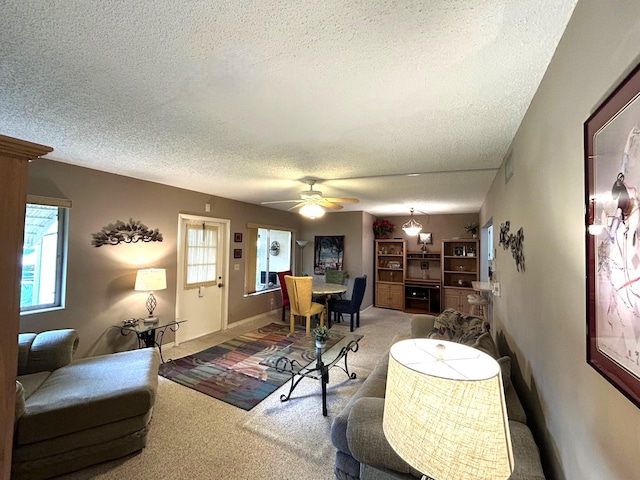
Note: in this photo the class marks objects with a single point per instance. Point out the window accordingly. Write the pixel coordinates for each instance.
(268, 252)
(201, 253)
(43, 258)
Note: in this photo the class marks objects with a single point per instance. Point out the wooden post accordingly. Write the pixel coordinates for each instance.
(14, 168)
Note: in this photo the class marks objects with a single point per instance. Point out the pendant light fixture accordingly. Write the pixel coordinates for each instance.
(412, 228)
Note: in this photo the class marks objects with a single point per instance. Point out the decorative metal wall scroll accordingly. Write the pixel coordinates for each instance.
(121, 232)
(513, 242)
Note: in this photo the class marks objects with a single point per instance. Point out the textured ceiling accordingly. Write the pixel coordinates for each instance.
(246, 99)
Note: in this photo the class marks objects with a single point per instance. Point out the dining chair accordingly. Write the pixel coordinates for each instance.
(333, 276)
(352, 306)
(300, 304)
(283, 290)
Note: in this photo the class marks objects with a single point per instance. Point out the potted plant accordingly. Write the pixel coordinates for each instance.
(321, 335)
(472, 228)
(382, 228)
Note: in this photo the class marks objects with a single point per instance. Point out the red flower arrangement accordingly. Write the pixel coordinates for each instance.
(382, 228)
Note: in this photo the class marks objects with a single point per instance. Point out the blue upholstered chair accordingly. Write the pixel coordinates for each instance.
(352, 306)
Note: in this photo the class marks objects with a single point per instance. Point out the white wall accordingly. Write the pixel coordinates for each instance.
(586, 429)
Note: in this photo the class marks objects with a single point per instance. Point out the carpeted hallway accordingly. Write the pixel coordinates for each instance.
(194, 436)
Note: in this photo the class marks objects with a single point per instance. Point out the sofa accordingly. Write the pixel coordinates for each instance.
(74, 413)
(362, 451)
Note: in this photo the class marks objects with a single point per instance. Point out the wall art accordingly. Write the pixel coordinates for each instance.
(329, 253)
(237, 237)
(612, 177)
(512, 242)
(237, 253)
(120, 232)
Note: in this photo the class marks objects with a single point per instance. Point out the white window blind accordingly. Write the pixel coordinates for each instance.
(201, 252)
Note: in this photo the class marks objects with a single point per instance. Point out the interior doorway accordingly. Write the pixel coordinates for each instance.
(486, 251)
(203, 305)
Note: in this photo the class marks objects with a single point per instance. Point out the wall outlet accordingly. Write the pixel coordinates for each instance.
(495, 288)
(236, 267)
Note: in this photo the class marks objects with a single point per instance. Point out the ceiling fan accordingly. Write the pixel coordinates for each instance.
(312, 204)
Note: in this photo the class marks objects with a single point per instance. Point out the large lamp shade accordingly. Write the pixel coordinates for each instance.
(445, 412)
(150, 280)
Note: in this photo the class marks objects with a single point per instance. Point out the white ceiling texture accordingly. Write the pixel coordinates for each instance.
(247, 99)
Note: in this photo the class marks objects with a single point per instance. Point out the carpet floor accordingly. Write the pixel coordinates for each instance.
(194, 436)
(235, 371)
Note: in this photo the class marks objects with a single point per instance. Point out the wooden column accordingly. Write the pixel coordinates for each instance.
(14, 166)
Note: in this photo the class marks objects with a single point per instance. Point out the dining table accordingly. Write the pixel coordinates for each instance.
(327, 289)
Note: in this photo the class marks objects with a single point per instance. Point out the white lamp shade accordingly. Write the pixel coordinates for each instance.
(151, 279)
(312, 210)
(445, 412)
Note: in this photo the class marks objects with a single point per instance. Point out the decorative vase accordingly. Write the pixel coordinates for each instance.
(321, 344)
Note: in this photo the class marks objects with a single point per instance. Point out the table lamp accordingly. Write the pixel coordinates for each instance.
(150, 280)
(445, 412)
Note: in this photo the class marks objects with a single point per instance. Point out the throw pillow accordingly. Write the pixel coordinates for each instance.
(485, 344)
(458, 327)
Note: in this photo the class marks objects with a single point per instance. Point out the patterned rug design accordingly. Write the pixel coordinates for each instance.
(232, 371)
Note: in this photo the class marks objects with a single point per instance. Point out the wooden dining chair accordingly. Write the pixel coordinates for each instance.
(300, 304)
(283, 290)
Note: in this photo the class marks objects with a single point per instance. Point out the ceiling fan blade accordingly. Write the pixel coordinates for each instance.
(333, 206)
(279, 201)
(342, 200)
(297, 207)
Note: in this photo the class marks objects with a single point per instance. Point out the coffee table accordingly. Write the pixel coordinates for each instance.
(326, 359)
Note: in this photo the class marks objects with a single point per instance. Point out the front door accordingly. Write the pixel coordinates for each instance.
(201, 296)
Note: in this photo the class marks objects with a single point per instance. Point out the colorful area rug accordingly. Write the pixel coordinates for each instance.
(232, 371)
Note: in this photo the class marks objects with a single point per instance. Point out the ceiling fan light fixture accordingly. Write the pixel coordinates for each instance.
(412, 228)
(312, 210)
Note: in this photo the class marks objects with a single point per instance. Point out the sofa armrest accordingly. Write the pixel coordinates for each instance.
(366, 438)
(421, 325)
(46, 351)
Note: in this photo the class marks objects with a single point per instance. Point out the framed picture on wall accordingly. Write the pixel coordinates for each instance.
(237, 253)
(425, 238)
(328, 253)
(612, 180)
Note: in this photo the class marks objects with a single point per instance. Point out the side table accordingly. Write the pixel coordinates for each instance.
(150, 335)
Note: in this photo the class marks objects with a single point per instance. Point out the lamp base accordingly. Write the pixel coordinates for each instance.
(151, 320)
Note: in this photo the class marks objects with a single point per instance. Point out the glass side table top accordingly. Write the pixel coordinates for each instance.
(142, 327)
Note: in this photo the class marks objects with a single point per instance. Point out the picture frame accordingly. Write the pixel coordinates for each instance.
(425, 238)
(237, 237)
(328, 253)
(611, 159)
(237, 253)
(459, 251)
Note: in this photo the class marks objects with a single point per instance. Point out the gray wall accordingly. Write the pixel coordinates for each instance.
(100, 280)
(586, 428)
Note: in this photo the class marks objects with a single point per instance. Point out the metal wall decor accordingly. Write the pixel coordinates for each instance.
(120, 232)
(514, 243)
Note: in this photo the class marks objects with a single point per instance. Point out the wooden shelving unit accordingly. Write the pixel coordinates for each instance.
(460, 267)
(390, 273)
(422, 285)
